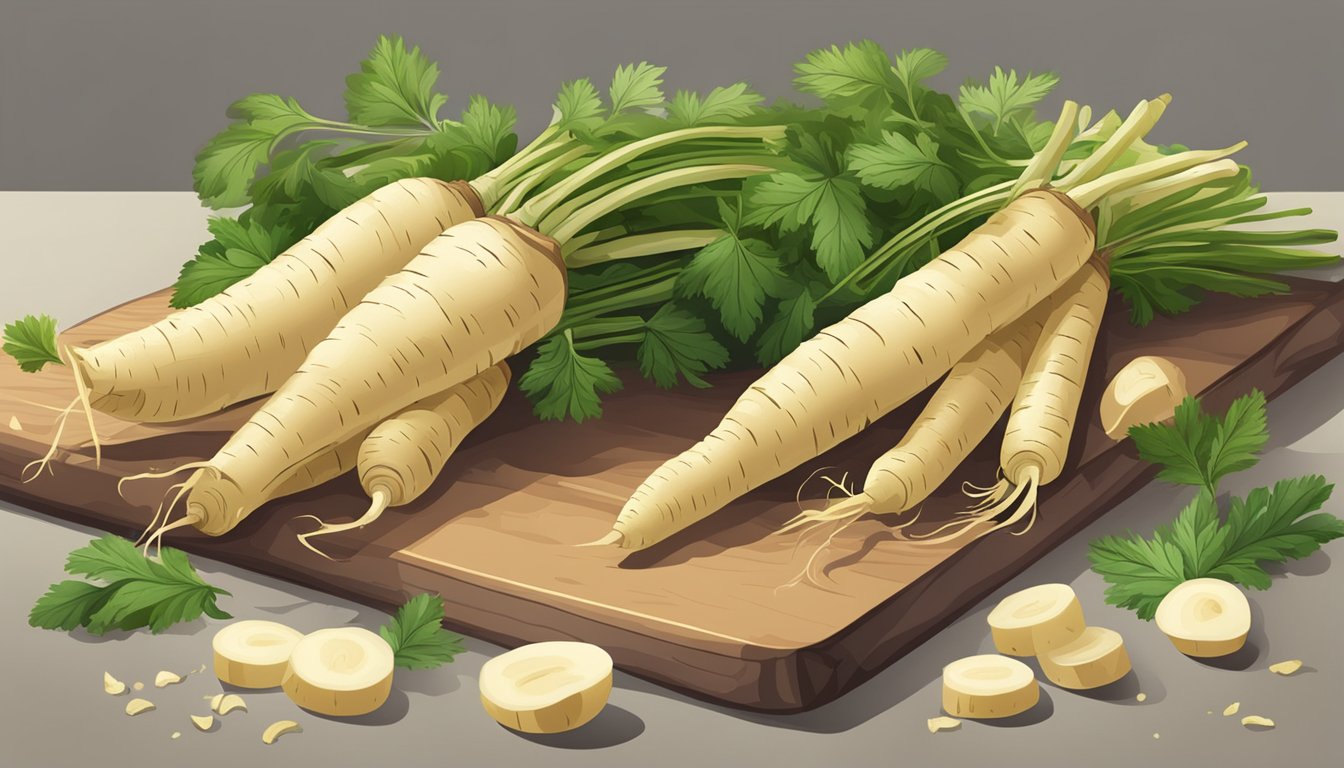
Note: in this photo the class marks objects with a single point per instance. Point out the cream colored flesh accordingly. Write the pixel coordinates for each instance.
(1146, 390)
(1205, 618)
(546, 687)
(1036, 619)
(1096, 658)
(253, 653)
(988, 686)
(345, 671)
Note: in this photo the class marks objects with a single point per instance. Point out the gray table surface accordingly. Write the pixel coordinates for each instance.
(73, 254)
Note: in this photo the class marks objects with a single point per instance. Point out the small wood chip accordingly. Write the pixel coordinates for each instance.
(112, 685)
(203, 722)
(14, 424)
(1256, 720)
(1232, 709)
(166, 678)
(1141, 697)
(136, 706)
(1286, 667)
(229, 703)
(279, 728)
(937, 724)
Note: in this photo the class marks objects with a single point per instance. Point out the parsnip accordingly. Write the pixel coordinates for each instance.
(546, 687)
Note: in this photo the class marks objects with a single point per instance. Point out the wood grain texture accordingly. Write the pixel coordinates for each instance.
(707, 611)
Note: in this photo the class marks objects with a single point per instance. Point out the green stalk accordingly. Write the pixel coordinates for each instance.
(1088, 194)
(652, 185)
(537, 208)
(638, 246)
(1140, 121)
(537, 176)
(1045, 164)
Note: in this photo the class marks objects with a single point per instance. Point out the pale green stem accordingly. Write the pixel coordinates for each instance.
(1090, 193)
(652, 185)
(536, 209)
(1045, 163)
(527, 183)
(1141, 195)
(638, 246)
(1135, 127)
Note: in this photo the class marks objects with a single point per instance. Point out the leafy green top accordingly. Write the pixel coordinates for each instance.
(31, 341)
(138, 591)
(1268, 525)
(417, 636)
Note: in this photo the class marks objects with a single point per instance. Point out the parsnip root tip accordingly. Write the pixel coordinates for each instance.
(611, 537)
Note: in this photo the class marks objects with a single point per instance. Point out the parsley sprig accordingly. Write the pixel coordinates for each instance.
(138, 591)
(417, 636)
(1269, 525)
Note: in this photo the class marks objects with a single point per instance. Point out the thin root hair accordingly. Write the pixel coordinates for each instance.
(377, 505)
(45, 461)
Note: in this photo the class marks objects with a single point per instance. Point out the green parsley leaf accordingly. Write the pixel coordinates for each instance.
(899, 162)
(226, 165)
(676, 342)
(489, 128)
(792, 323)
(1005, 97)
(417, 636)
(735, 273)
(1274, 525)
(562, 382)
(636, 87)
(142, 592)
(833, 207)
(578, 106)
(394, 87)
(1199, 449)
(721, 105)
(31, 341)
(915, 66)
(857, 72)
(237, 251)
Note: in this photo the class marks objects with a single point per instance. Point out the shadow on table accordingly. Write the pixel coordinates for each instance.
(613, 725)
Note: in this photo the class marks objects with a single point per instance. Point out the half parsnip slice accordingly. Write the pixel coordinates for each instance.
(1205, 618)
(254, 653)
(1096, 658)
(345, 671)
(546, 687)
(988, 686)
(1036, 619)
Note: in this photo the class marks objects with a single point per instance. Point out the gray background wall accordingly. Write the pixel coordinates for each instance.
(119, 94)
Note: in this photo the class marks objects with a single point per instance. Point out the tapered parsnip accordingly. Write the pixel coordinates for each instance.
(400, 458)
(961, 412)
(857, 370)
(480, 292)
(245, 341)
(1041, 422)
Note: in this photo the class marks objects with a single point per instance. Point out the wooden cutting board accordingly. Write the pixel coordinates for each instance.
(708, 612)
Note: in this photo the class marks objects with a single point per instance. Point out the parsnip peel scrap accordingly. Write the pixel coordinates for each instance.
(1232, 709)
(166, 678)
(1263, 722)
(1286, 667)
(112, 685)
(137, 706)
(203, 722)
(279, 728)
(229, 703)
(937, 724)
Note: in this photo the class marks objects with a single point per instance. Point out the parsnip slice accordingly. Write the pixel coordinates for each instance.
(253, 653)
(344, 671)
(1147, 389)
(1096, 658)
(546, 687)
(988, 686)
(1205, 618)
(112, 685)
(1037, 619)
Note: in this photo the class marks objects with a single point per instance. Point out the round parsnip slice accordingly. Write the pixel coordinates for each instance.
(345, 671)
(1037, 619)
(988, 686)
(1095, 659)
(1147, 389)
(253, 653)
(546, 687)
(1205, 618)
